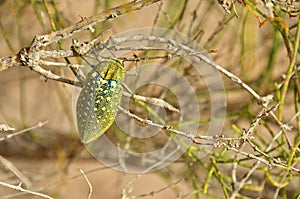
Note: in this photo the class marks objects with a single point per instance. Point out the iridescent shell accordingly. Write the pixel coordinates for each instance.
(99, 98)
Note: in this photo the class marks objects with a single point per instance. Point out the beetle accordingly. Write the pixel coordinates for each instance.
(98, 101)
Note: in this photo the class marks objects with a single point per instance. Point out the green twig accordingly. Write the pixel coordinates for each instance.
(288, 74)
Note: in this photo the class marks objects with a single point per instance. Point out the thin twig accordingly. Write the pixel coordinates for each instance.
(6, 127)
(173, 46)
(288, 74)
(101, 168)
(88, 182)
(38, 125)
(151, 100)
(19, 188)
(31, 56)
(217, 141)
(10, 166)
(238, 185)
(152, 193)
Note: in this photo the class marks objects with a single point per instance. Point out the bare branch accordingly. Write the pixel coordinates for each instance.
(38, 125)
(10, 166)
(6, 127)
(88, 182)
(19, 188)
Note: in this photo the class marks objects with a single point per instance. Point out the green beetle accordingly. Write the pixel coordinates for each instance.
(99, 98)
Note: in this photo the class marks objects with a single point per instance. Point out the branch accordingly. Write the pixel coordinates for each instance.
(19, 188)
(173, 46)
(32, 55)
(88, 182)
(10, 166)
(38, 125)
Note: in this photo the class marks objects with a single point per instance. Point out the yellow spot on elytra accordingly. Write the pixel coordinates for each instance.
(94, 74)
(113, 83)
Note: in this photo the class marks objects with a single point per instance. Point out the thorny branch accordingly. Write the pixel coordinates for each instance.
(173, 46)
(31, 56)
